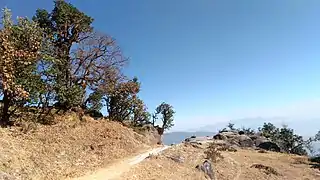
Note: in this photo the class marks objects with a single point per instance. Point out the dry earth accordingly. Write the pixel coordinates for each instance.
(234, 166)
(68, 149)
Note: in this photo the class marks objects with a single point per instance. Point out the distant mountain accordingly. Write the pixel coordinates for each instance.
(178, 137)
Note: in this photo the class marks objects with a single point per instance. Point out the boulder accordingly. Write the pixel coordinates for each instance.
(221, 143)
(260, 140)
(207, 168)
(229, 134)
(220, 137)
(234, 141)
(270, 146)
(244, 141)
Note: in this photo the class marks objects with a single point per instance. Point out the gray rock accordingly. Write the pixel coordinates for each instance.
(220, 137)
(222, 143)
(229, 134)
(207, 168)
(270, 146)
(258, 139)
(234, 141)
(245, 141)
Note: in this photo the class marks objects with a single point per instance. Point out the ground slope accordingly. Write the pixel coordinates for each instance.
(67, 149)
(234, 166)
(116, 169)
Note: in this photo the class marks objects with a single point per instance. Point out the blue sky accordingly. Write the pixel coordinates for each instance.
(214, 60)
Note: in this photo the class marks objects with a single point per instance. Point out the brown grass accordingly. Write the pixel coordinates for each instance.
(267, 169)
(234, 166)
(212, 153)
(68, 149)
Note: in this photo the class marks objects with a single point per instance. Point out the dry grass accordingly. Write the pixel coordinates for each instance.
(68, 149)
(212, 153)
(234, 166)
(267, 169)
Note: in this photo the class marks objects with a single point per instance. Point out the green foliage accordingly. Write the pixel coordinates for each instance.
(310, 141)
(248, 131)
(315, 159)
(64, 26)
(70, 97)
(94, 102)
(20, 46)
(140, 115)
(167, 115)
(231, 126)
(269, 130)
(121, 99)
(285, 138)
(58, 60)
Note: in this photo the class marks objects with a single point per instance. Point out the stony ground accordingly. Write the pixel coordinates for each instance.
(234, 166)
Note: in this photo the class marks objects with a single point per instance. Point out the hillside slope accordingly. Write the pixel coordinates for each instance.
(67, 149)
(234, 166)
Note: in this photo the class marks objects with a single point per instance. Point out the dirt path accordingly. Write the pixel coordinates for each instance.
(114, 171)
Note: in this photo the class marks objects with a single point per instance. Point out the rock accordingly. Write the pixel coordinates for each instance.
(206, 167)
(222, 143)
(234, 141)
(259, 139)
(220, 137)
(230, 134)
(270, 146)
(241, 141)
(194, 144)
(245, 141)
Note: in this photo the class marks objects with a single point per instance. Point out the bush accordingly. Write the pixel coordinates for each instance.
(315, 159)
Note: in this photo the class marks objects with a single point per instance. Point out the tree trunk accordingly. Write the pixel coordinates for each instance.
(5, 109)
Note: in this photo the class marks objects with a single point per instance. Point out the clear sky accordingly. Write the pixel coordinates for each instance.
(213, 59)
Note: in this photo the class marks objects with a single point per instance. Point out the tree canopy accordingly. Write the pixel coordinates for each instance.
(59, 60)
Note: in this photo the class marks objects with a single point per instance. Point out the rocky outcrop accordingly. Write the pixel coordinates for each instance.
(234, 138)
(244, 141)
(270, 146)
(239, 139)
(257, 139)
(220, 137)
(230, 134)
